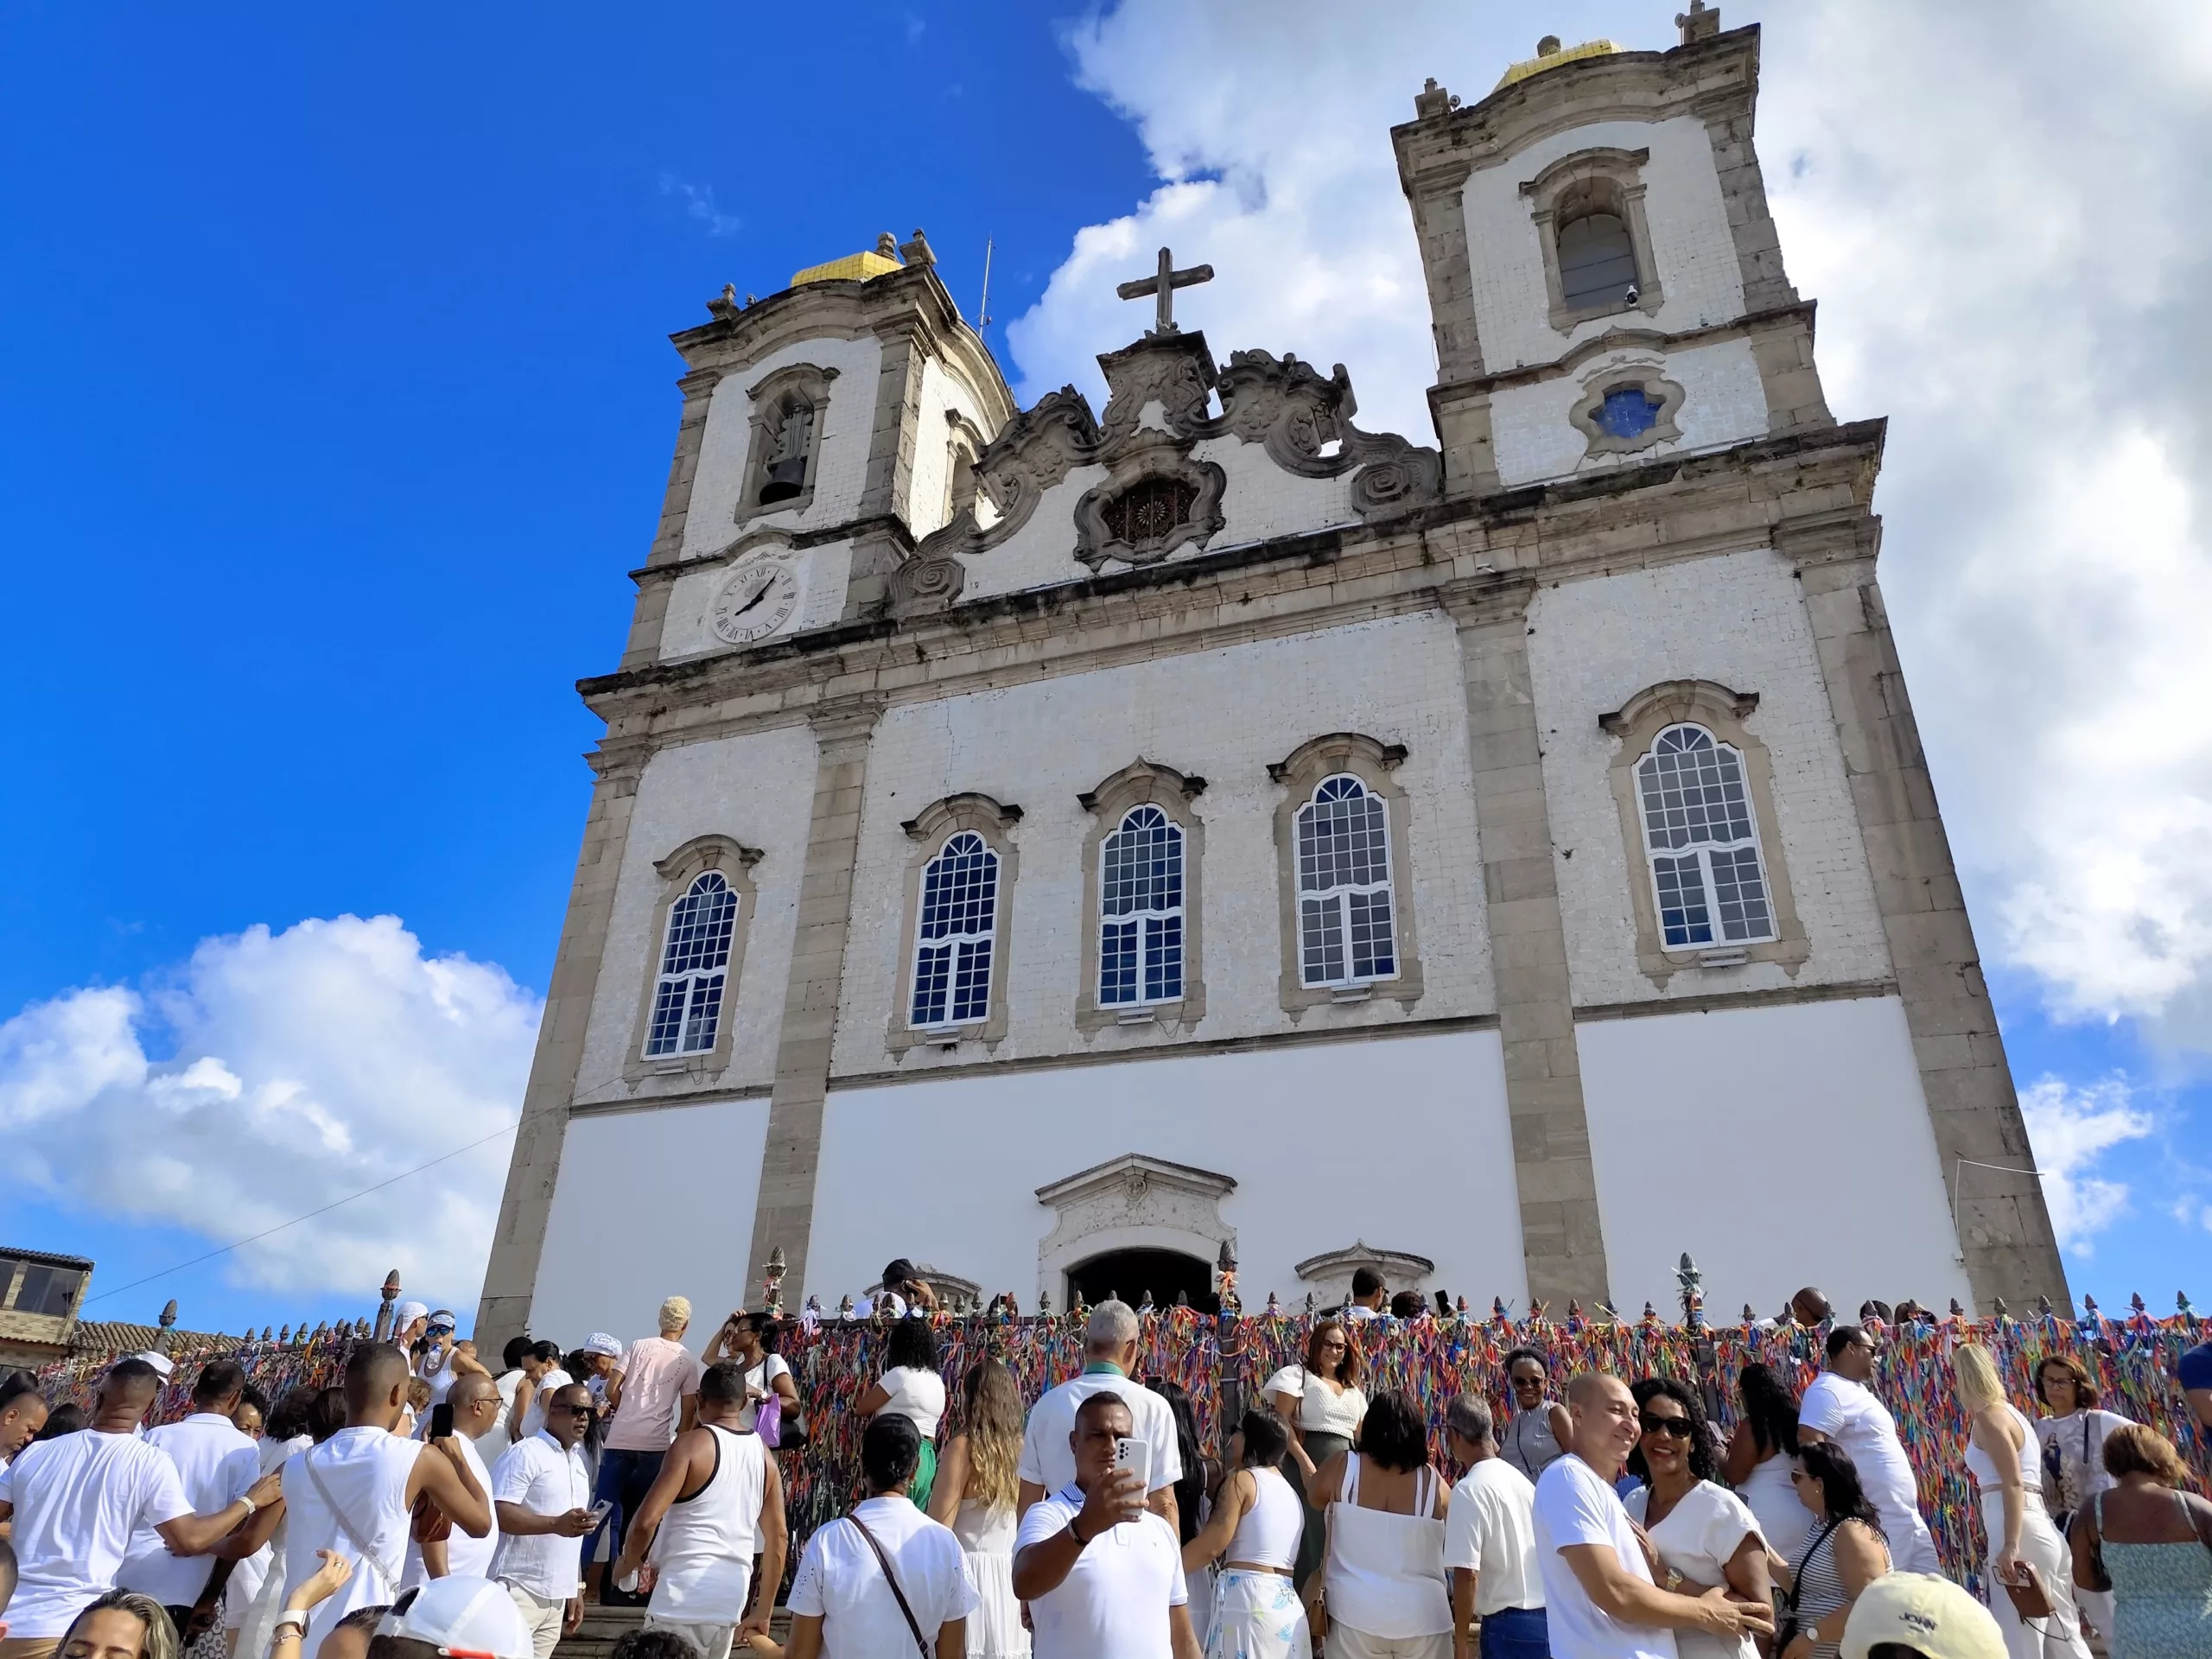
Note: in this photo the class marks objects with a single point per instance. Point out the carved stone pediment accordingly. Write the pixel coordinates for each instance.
(1332, 1270)
(1133, 1202)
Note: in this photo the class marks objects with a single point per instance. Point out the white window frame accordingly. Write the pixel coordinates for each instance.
(703, 988)
(1341, 896)
(1148, 922)
(959, 948)
(1695, 853)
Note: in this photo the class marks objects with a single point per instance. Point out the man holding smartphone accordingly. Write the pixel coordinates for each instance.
(542, 1493)
(1104, 1574)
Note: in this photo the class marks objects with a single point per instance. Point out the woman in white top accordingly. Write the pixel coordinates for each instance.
(2074, 1471)
(1321, 1403)
(1386, 1593)
(1535, 1436)
(748, 1340)
(976, 1484)
(910, 1387)
(1702, 1531)
(1758, 1460)
(2006, 1460)
(1254, 1531)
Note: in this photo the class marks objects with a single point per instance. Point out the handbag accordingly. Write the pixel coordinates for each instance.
(2031, 1598)
(921, 1642)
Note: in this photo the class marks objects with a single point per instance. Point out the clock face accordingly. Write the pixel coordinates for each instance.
(756, 603)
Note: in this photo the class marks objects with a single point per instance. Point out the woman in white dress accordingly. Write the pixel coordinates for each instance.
(1757, 1463)
(976, 1484)
(1253, 1532)
(2074, 1472)
(1386, 1591)
(2006, 1460)
(1320, 1402)
(1702, 1531)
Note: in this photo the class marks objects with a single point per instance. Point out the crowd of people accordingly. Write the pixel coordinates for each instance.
(428, 1505)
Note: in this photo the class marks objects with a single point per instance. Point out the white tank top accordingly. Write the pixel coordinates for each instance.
(1983, 1467)
(1268, 1532)
(705, 1545)
(1386, 1572)
(363, 1472)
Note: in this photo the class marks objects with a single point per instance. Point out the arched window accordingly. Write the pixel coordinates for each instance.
(1140, 912)
(1597, 259)
(1345, 935)
(954, 933)
(1702, 838)
(694, 965)
(791, 440)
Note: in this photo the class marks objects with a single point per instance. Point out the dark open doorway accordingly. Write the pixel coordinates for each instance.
(1130, 1274)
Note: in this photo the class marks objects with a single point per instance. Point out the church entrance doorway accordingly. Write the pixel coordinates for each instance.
(1133, 1274)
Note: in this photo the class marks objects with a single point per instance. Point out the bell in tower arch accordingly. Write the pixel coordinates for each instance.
(786, 469)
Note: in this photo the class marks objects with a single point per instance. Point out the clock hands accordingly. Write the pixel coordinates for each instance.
(760, 594)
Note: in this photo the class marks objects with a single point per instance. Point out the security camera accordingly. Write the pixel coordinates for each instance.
(1631, 297)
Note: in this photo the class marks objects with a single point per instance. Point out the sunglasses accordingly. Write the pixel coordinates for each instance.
(1675, 1427)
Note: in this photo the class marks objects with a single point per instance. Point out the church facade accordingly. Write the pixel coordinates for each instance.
(1057, 847)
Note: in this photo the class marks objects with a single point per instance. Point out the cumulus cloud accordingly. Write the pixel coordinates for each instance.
(699, 205)
(2003, 213)
(2071, 1129)
(294, 1069)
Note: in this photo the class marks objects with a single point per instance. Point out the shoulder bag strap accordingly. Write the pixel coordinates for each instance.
(912, 1623)
(385, 1570)
(1798, 1584)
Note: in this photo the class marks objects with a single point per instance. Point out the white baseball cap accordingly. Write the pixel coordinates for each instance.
(467, 1619)
(160, 1363)
(1930, 1615)
(599, 1342)
(408, 1312)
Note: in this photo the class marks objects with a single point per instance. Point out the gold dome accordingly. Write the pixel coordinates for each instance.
(853, 268)
(1553, 59)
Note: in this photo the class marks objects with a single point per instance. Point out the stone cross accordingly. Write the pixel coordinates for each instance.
(1164, 283)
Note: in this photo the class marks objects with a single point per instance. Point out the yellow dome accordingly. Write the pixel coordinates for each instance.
(1553, 59)
(853, 268)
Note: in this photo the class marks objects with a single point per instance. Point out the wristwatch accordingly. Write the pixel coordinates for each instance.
(1673, 1580)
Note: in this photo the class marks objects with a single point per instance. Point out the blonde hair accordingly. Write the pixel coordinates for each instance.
(1975, 1372)
(160, 1641)
(2135, 1449)
(995, 1430)
(676, 1313)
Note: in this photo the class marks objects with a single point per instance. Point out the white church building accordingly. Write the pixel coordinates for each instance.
(1053, 844)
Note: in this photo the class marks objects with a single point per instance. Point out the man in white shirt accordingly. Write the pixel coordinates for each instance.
(475, 1402)
(1599, 1598)
(1490, 1543)
(1110, 1356)
(842, 1604)
(1368, 1295)
(76, 1502)
(1839, 1406)
(218, 1466)
(542, 1493)
(1102, 1572)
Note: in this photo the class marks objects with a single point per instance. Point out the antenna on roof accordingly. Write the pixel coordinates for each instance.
(984, 306)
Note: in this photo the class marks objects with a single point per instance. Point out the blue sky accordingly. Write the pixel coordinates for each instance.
(335, 401)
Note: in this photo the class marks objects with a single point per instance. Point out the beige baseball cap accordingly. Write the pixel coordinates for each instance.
(1930, 1615)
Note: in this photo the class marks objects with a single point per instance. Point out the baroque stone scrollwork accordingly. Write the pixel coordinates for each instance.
(1191, 512)
(1159, 411)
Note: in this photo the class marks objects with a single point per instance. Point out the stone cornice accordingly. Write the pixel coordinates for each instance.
(1807, 492)
(1625, 339)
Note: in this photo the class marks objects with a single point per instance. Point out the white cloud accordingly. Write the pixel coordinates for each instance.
(2003, 212)
(2071, 1129)
(699, 204)
(301, 1067)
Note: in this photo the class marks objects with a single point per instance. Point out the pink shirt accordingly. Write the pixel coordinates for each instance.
(656, 1376)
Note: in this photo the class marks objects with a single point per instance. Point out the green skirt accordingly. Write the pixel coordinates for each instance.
(1314, 1542)
(925, 1475)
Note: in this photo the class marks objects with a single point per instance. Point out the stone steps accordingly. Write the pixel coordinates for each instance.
(604, 1626)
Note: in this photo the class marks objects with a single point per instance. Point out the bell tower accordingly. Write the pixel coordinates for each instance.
(1605, 278)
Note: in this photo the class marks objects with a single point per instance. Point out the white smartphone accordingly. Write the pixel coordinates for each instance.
(1133, 1457)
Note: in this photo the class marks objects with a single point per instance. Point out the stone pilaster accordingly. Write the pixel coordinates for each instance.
(646, 621)
(2005, 1231)
(1561, 1239)
(511, 1277)
(783, 1215)
(888, 482)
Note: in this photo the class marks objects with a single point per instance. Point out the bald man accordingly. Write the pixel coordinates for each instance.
(1599, 1596)
(23, 1414)
(354, 1493)
(476, 1402)
(76, 1501)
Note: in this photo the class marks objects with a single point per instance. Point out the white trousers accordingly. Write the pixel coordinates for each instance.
(1345, 1642)
(2058, 1636)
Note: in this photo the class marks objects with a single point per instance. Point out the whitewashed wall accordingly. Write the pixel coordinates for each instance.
(1699, 270)
(1780, 1147)
(823, 573)
(1738, 620)
(843, 456)
(1225, 715)
(651, 1204)
(1724, 402)
(929, 483)
(759, 789)
(1402, 1142)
